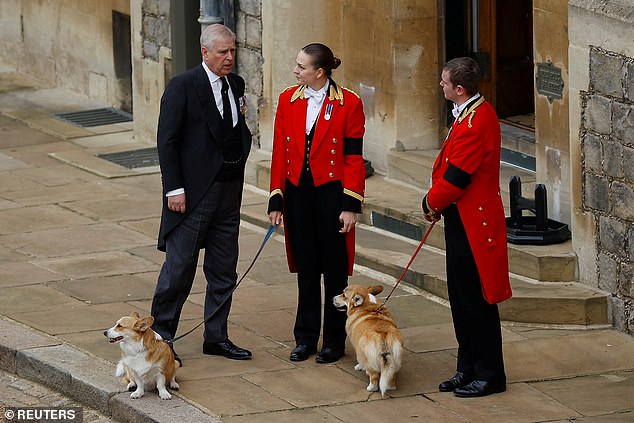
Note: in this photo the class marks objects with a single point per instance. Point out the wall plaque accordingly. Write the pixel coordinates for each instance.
(549, 81)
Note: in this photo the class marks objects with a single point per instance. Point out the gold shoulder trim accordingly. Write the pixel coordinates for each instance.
(299, 92)
(335, 92)
(470, 111)
(350, 91)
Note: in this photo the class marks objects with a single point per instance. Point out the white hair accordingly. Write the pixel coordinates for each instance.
(215, 32)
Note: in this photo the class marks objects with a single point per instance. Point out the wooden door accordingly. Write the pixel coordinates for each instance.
(506, 41)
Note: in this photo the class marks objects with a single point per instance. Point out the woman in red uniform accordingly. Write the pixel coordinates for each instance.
(317, 185)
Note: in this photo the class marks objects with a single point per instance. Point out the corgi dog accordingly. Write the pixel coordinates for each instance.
(147, 361)
(374, 335)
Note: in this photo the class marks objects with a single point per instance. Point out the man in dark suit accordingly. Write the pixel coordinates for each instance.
(203, 143)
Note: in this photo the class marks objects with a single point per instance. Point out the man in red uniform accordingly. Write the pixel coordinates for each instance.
(466, 191)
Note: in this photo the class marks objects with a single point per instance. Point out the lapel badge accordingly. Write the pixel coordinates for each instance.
(243, 104)
(328, 111)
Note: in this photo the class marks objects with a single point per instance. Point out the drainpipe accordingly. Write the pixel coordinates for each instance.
(209, 13)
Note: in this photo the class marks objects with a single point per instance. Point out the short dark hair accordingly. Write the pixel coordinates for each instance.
(464, 71)
(322, 57)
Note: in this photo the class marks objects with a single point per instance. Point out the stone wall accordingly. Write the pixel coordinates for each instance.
(155, 27)
(390, 57)
(249, 59)
(602, 138)
(607, 156)
(151, 63)
(67, 44)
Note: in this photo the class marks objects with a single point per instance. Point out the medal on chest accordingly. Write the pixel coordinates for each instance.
(328, 113)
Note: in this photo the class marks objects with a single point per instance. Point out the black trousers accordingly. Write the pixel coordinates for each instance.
(214, 225)
(312, 217)
(476, 322)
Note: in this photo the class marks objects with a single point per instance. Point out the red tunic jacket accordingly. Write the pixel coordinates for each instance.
(467, 173)
(335, 154)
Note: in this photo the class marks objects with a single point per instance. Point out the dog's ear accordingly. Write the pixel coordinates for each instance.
(135, 315)
(357, 300)
(144, 324)
(375, 289)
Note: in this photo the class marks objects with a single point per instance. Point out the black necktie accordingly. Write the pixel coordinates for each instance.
(226, 105)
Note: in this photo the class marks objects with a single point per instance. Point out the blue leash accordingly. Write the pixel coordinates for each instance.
(266, 238)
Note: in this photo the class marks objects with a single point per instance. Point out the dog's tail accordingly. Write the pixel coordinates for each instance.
(390, 365)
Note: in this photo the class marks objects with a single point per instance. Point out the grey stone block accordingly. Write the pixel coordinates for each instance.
(629, 81)
(598, 114)
(630, 243)
(241, 32)
(617, 307)
(608, 268)
(622, 198)
(251, 7)
(150, 50)
(612, 235)
(250, 67)
(613, 159)
(84, 377)
(605, 73)
(593, 152)
(162, 32)
(597, 192)
(623, 123)
(254, 32)
(15, 337)
(626, 276)
(628, 164)
(151, 408)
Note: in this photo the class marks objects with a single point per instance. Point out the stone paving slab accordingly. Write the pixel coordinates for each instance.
(417, 408)
(152, 409)
(27, 219)
(93, 264)
(70, 371)
(15, 337)
(16, 273)
(521, 403)
(561, 357)
(593, 395)
(10, 163)
(61, 194)
(109, 289)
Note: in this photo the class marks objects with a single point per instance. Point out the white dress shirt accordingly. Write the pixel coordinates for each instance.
(216, 86)
(315, 101)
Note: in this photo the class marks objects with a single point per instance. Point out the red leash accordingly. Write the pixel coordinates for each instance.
(408, 265)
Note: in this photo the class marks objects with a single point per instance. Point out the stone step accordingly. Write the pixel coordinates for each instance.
(545, 303)
(395, 207)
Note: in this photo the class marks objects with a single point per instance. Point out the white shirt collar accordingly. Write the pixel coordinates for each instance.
(212, 76)
(316, 94)
(457, 110)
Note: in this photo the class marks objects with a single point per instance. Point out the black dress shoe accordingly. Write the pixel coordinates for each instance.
(479, 388)
(329, 355)
(226, 349)
(458, 380)
(301, 352)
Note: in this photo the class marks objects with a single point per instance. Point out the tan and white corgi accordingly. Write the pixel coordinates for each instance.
(147, 361)
(374, 335)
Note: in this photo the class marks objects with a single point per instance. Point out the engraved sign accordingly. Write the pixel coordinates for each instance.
(549, 81)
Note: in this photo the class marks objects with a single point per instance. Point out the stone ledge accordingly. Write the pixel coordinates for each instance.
(622, 10)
